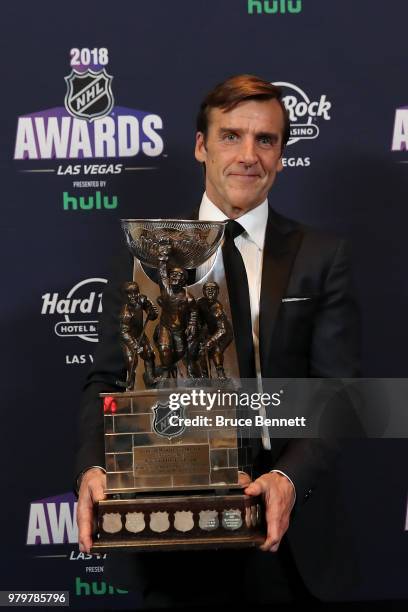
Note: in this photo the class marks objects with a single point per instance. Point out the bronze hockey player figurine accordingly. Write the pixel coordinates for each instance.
(216, 332)
(177, 332)
(133, 338)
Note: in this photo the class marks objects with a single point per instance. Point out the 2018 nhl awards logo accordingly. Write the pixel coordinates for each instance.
(90, 125)
(162, 422)
(89, 94)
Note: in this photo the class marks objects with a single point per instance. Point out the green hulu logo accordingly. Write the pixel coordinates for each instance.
(96, 588)
(272, 7)
(92, 202)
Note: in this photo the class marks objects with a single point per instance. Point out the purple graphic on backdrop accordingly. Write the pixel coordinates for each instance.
(52, 521)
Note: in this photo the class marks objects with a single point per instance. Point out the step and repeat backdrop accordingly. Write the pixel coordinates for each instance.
(97, 120)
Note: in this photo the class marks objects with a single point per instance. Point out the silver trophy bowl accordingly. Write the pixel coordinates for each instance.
(192, 242)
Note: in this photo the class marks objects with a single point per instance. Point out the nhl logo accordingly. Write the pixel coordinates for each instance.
(89, 94)
(161, 421)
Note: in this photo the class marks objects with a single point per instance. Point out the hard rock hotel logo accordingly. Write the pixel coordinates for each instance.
(78, 310)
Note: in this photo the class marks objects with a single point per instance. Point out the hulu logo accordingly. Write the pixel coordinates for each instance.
(96, 588)
(92, 202)
(272, 7)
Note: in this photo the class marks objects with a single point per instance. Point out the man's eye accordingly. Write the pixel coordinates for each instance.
(265, 140)
(230, 137)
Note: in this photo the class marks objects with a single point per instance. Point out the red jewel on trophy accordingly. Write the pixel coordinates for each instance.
(108, 405)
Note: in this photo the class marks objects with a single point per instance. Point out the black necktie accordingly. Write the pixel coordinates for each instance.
(237, 283)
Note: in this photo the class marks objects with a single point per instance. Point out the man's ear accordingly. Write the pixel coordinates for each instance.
(200, 151)
(279, 167)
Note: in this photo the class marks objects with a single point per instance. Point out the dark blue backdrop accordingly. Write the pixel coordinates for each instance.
(163, 57)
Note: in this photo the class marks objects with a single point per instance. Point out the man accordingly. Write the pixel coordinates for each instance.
(303, 322)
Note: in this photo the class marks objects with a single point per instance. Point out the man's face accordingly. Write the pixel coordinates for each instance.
(242, 154)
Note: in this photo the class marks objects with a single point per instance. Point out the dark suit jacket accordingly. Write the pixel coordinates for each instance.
(318, 337)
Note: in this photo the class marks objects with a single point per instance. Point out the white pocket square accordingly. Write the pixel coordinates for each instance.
(296, 299)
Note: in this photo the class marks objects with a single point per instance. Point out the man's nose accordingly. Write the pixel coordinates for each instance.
(248, 154)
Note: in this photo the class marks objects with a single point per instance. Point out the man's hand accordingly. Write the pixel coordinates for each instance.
(92, 490)
(278, 494)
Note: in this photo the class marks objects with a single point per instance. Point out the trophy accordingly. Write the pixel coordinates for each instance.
(172, 471)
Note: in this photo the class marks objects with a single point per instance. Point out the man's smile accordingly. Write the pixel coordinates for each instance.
(244, 176)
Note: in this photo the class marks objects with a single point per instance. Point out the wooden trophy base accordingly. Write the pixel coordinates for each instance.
(207, 521)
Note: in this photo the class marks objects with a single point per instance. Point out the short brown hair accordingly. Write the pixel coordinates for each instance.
(241, 88)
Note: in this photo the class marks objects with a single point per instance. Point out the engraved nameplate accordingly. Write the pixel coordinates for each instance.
(231, 519)
(163, 460)
(209, 520)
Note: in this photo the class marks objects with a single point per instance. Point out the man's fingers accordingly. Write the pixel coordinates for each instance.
(274, 532)
(85, 524)
(255, 488)
(276, 510)
(92, 490)
(277, 525)
(270, 545)
(97, 492)
(243, 479)
(85, 544)
(273, 536)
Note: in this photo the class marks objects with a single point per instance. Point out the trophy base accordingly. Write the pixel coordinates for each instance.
(179, 523)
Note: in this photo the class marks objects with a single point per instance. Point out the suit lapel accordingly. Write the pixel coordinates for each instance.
(282, 242)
